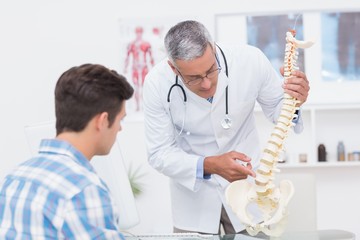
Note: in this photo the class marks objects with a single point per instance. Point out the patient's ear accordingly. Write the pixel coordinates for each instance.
(102, 120)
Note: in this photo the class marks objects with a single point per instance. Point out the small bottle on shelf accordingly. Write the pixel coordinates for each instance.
(321, 153)
(341, 151)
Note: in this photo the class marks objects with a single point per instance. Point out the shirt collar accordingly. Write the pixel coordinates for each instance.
(61, 147)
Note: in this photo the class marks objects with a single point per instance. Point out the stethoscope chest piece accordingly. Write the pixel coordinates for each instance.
(226, 122)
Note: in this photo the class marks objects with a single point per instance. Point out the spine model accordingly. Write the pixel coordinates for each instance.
(272, 201)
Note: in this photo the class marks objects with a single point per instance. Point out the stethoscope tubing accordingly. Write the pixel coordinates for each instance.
(176, 84)
(226, 123)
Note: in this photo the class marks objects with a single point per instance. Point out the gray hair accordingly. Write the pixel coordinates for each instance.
(187, 40)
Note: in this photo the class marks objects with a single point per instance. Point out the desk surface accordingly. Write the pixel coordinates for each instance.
(311, 235)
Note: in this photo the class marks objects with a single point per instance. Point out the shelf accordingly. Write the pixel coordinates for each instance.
(339, 106)
(310, 106)
(319, 165)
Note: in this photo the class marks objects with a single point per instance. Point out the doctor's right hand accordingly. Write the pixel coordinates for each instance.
(228, 166)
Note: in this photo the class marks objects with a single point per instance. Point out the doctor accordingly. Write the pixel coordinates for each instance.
(199, 121)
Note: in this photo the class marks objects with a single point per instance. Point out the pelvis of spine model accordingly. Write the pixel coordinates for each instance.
(272, 201)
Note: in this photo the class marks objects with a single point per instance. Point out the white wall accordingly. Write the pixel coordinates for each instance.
(40, 39)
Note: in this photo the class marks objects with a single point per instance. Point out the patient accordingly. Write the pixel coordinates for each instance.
(57, 194)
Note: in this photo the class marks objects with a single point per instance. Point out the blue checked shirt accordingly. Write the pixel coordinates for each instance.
(57, 195)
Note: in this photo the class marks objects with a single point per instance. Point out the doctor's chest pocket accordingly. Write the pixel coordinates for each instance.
(242, 121)
(240, 112)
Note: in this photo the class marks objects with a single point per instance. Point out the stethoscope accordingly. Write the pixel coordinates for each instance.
(226, 122)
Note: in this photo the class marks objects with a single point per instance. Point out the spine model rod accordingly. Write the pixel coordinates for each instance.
(271, 200)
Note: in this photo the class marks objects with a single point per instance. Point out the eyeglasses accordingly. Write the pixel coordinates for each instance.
(192, 81)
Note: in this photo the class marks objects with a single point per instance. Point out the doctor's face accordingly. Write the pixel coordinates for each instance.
(201, 74)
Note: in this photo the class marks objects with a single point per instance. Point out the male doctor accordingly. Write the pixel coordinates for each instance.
(199, 122)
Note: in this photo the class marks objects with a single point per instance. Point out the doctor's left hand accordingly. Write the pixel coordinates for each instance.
(297, 86)
(227, 166)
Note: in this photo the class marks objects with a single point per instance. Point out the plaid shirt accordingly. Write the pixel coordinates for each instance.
(57, 195)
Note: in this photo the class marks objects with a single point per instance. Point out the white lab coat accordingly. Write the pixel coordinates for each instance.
(196, 204)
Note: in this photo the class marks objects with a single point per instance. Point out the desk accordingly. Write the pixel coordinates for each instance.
(331, 234)
(310, 235)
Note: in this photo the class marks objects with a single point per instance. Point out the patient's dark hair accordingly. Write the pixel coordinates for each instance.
(84, 91)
